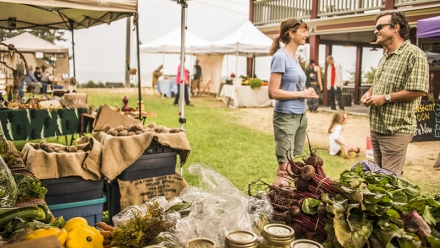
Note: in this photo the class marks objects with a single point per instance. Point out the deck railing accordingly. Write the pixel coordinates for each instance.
(272, 12)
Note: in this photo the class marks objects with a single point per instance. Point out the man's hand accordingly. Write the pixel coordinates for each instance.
(310, 93)
(364, 99)
(376, 100)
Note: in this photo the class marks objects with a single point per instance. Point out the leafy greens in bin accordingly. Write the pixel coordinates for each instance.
(378, 210)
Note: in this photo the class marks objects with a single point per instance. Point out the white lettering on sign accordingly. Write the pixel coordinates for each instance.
(423, 129)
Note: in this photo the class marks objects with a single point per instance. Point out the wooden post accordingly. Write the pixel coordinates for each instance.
(328, 51)
(358, 74)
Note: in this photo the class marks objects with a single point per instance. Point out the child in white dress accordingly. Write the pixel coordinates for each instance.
(336, 138)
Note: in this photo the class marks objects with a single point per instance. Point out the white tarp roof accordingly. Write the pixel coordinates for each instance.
(38, 14)
(170, 43)
(246, 40)
(27, 42)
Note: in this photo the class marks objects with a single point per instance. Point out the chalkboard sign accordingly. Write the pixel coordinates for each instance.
(428, 121)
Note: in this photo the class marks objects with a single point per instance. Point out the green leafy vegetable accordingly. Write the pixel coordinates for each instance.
(29, 186)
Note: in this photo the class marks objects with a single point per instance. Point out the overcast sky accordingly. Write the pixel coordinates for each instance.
(100, 50)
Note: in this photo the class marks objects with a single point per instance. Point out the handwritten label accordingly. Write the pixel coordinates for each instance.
(139, 191)
(428, 121)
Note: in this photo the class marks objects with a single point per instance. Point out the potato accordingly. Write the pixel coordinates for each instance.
(73, 149)
(131, 133)
(138, 132)
(115, 133)
(119, 128)
(123, 133)
(152, 125)
(174, 130)
(37, 146)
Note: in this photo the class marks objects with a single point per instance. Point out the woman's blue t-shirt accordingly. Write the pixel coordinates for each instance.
(293, 79)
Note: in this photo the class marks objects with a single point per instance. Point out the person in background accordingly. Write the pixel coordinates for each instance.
(400, 82)
(30, 81)
(197, 78)
(37, 74)
(156, 74)
(334, 83)
(313, 74)
(185, 80)
(287, 85)
(44, 79)
(337, 144)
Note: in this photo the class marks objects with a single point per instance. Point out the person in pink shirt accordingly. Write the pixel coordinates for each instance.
(185, 80)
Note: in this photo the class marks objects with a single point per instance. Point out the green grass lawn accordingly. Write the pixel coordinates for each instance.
(237, 152)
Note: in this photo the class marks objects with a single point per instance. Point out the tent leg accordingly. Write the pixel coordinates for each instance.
(139, 66)
(73, 47)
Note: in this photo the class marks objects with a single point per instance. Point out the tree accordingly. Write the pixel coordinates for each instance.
(45, 34)
(369, 75)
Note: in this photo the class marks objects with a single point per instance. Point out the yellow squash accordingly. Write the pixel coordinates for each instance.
(73, 222)
(45, 232)
(81, 235)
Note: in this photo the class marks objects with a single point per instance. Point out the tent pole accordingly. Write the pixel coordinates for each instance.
(253, 66)
(73, 47)
(182, 85)
(139, 66)
(127, 51)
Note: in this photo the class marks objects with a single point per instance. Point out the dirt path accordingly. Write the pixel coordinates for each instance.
(420, 155)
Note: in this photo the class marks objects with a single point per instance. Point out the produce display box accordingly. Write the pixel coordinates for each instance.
(148, 165)
(72, 189)
(91, 210)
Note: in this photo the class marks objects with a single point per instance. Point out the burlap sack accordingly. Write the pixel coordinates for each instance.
(139, 191)
(119, 152)
(85, 164)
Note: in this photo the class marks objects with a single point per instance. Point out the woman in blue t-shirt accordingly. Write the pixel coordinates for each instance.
(287, 85)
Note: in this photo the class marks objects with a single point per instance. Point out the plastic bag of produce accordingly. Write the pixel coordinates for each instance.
(8, 187)
(368, 165)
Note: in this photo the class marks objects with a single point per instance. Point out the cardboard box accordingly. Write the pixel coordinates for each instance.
(108, 116)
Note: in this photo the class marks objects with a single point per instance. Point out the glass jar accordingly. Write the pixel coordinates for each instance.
(200, 242)
(305, 243)
(277, 236)
(241, 239)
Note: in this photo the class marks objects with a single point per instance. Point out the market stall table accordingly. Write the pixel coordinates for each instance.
(167, 87)
(245, 96)
(31, 124)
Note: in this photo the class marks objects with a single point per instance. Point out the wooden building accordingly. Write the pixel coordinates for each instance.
(338, 22)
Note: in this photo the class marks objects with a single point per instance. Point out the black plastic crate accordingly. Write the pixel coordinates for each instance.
(147, 166)
(72, 189)
(156, 147)
(150, 165)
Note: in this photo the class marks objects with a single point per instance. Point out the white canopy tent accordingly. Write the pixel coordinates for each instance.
(247, 40)
(29, 45)
(171, 44)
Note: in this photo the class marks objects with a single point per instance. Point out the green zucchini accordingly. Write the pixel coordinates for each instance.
(35, 212)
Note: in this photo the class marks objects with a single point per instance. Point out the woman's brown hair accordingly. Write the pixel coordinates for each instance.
(338, 117)
(291, 24)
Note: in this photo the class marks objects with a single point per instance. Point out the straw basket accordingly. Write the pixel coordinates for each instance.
(78, 100)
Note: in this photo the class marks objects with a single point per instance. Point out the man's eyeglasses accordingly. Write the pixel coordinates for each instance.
(380, 26)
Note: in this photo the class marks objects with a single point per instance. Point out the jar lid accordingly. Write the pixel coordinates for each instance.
(200, 242)
(154, 246)
(305, 243)
(278, 231)
(241, 237)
